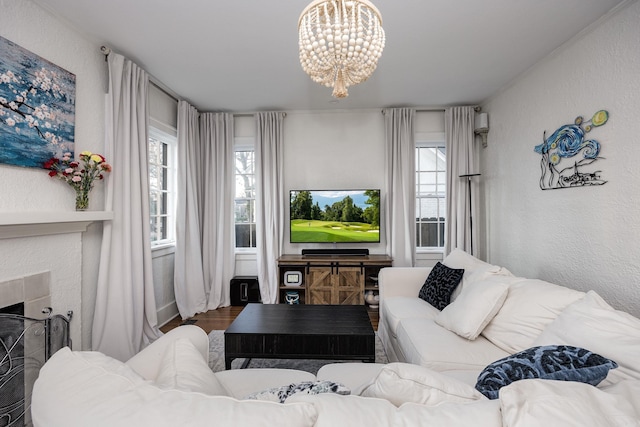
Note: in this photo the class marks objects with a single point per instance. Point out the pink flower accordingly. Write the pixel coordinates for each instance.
(76, 178)
(68, 170)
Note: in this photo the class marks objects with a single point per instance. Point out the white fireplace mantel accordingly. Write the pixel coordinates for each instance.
(28, 224)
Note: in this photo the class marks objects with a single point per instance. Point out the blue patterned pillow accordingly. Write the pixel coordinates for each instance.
(440, 284)
(552, 362)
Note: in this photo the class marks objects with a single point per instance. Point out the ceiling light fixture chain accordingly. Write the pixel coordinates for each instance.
(340, 42)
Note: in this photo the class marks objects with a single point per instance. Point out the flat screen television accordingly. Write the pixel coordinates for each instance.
(334, 216)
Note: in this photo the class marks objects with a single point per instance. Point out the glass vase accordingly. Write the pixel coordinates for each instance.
(82, 200)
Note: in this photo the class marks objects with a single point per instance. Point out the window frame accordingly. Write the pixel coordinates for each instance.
(244, 144)
(171, 142)
(431, 140)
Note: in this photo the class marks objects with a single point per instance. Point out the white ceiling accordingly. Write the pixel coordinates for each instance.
(242, 55)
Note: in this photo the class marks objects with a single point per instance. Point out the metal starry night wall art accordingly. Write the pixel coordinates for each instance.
(559, 167)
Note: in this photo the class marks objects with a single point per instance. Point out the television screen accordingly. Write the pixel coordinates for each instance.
(334, 216)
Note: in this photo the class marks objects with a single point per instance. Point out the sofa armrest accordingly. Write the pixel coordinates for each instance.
(147, 362)
(401, 281)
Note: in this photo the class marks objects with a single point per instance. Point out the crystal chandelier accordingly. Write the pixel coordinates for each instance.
(340, 42)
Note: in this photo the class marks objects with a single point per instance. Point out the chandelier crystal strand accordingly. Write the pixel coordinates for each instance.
(340, 42)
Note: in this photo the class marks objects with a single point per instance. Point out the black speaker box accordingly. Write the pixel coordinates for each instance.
(245, 289)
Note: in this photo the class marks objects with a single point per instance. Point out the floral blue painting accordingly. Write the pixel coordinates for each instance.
(37, 108)
(568, 157)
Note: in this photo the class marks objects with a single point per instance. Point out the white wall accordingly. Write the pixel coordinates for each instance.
(28, 190)
(334, 150)
(584, 238)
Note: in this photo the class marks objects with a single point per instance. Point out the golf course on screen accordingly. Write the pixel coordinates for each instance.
(335, 216)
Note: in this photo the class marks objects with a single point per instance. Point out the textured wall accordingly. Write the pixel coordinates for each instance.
(584, 238)
(73, 259)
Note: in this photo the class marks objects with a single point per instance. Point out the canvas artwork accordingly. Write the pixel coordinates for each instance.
(569, 158)
(37, 108)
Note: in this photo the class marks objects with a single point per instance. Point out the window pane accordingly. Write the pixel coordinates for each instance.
(153, 204)
(242, 211)
(430, 195)
(245, 194)
(243, 236)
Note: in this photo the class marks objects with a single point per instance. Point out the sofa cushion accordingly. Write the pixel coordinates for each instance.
(397, 308)
(530, 306)
(554, 362)
(440, 284)
(73, 391)
(336, 410)
(480, 413)
(183, 368)
(424, 342)
(281, 394)
(530, 403)
(354, 375)
(400, 383)
(474, 269)
(594, 324)
(478, 303)
(241, 382)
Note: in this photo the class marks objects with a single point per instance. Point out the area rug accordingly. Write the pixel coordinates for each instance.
(216, 358)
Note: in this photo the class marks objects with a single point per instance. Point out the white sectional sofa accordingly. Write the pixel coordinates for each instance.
(170, 384)
(494, 314)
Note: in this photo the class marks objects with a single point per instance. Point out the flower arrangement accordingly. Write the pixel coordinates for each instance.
(79, 175)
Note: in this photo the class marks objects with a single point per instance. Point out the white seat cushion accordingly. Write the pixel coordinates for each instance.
(397, 308)
(353, 375)
(242, 382)
(426, 343)
(530, 306)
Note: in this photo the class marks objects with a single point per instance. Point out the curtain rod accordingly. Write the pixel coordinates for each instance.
(154, 81)
(428, 110)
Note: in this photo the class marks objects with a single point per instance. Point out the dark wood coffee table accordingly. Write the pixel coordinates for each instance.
(300, 331)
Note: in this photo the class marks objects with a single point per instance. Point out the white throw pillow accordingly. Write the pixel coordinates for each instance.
(593, 324)
(474, 269)
(477, 304)
(530, 306)
(532, 402)
(403, 382)
(184, 368)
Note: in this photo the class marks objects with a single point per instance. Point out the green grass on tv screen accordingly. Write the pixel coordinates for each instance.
(313, 231)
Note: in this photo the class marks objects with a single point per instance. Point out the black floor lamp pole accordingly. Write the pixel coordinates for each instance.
(469, 176)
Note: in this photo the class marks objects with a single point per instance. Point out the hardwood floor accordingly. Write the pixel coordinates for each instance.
(221, 318)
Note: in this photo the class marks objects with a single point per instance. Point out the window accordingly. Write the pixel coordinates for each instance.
(245, 197)
(162, 187)
(430, 194)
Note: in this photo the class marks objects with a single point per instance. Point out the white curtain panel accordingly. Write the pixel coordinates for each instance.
(218, 184)
(188, 278)
(204, 257)
(461, 160)
(125, 319)
(270, 201)
(400, 206)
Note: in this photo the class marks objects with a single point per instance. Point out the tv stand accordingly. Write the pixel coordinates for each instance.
(335, 252)
(331, 278)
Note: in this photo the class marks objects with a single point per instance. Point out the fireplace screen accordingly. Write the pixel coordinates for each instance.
(25, 345)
